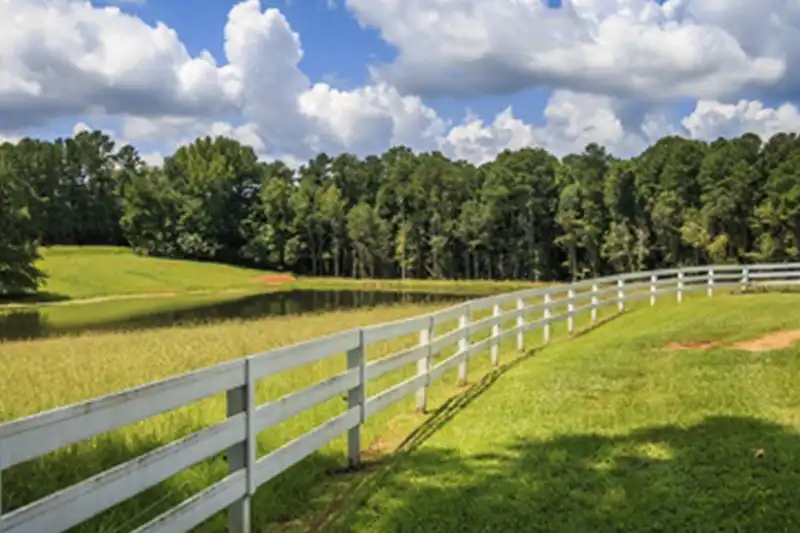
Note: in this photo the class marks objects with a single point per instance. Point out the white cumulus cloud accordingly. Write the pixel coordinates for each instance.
(610, 63)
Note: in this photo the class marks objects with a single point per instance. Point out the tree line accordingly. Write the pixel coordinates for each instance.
(525, 215)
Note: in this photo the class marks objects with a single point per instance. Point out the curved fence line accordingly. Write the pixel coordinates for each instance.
(531, 309)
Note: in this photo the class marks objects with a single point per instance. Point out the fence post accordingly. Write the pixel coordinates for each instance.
(653, 283)
(679, 294)
(496, 335)
(710, 290)
(570, 311)
(520, 325)
(424, 364)
(463, 345)
(242, 455)
(355, 398)
(547, 314)
(620, 295)
(745, 278)
(594, 302)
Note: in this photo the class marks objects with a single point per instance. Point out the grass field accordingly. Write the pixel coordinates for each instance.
(101, 272)
(78, 272)
(614, 431)
(38, 375)
(605, 432)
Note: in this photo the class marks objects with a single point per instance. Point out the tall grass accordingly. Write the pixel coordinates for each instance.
(43, 374)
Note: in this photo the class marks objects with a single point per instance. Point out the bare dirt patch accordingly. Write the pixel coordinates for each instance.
(695, 345)
(772, 341)
(276, 279)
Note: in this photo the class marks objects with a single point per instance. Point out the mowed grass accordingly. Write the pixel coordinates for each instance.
(91, 272)
(75, 272)
(43, 374)
(612, 431)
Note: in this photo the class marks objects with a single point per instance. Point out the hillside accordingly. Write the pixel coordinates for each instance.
(76, 272)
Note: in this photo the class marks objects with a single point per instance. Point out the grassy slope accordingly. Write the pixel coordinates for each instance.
(99, 286)
(612, 432)
(80, 272)
(87, 272)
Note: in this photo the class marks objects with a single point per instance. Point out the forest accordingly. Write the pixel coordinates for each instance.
(525, 215)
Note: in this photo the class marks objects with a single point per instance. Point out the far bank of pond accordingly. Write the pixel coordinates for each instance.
(47, 321)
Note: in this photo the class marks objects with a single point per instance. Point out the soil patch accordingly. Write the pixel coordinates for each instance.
(772, 341)
(695, 345)
(276, 279)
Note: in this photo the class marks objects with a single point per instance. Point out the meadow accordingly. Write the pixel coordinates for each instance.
(43, 374)
(611, 428)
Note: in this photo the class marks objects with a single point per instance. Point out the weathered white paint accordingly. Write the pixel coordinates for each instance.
(520, 325)
(356, 360)
(547, 313)
(424, 364)
(653, 290)
(710, 290)
(571, 311)
(463, 345)
(495, 357)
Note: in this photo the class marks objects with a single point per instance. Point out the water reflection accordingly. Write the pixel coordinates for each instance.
(35, 323)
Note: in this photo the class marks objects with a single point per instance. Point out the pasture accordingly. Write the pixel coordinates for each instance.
(43, 374)
(675, 418)
(600, 427)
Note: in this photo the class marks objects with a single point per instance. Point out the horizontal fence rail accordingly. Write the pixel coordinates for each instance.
(531, 309)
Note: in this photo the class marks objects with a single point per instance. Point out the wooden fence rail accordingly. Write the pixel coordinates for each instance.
(34, 436)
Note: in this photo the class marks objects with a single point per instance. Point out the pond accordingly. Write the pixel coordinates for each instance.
(47, 321)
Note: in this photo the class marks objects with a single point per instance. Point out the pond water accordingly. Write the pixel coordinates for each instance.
(47, 321)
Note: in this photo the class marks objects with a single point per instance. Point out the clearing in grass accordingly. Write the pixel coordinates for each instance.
(614, 431)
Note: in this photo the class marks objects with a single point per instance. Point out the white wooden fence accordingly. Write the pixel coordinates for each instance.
(33, 436)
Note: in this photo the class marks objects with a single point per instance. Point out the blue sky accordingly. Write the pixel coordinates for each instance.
(468, 77)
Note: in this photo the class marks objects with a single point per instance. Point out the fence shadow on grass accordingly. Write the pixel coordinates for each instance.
(357, 488)
(722, 474)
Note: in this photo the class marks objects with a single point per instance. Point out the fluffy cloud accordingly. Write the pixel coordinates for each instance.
(60, 57)
(711, 120)
(572, 121)
(628, 48)
(610, 60)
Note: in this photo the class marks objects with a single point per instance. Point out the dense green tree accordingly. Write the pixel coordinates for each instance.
(525, 215)
(18, 233)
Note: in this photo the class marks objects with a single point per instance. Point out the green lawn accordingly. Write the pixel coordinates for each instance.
(612, 431)
(81, 272)
(75, 272)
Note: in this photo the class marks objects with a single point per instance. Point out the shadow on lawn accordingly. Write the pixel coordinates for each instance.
(722, 474)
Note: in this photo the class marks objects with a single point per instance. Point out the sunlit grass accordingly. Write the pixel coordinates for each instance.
(44, 374)
(75, 272)
(612, 431)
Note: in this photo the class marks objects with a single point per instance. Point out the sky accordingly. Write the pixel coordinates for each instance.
(471, 78)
